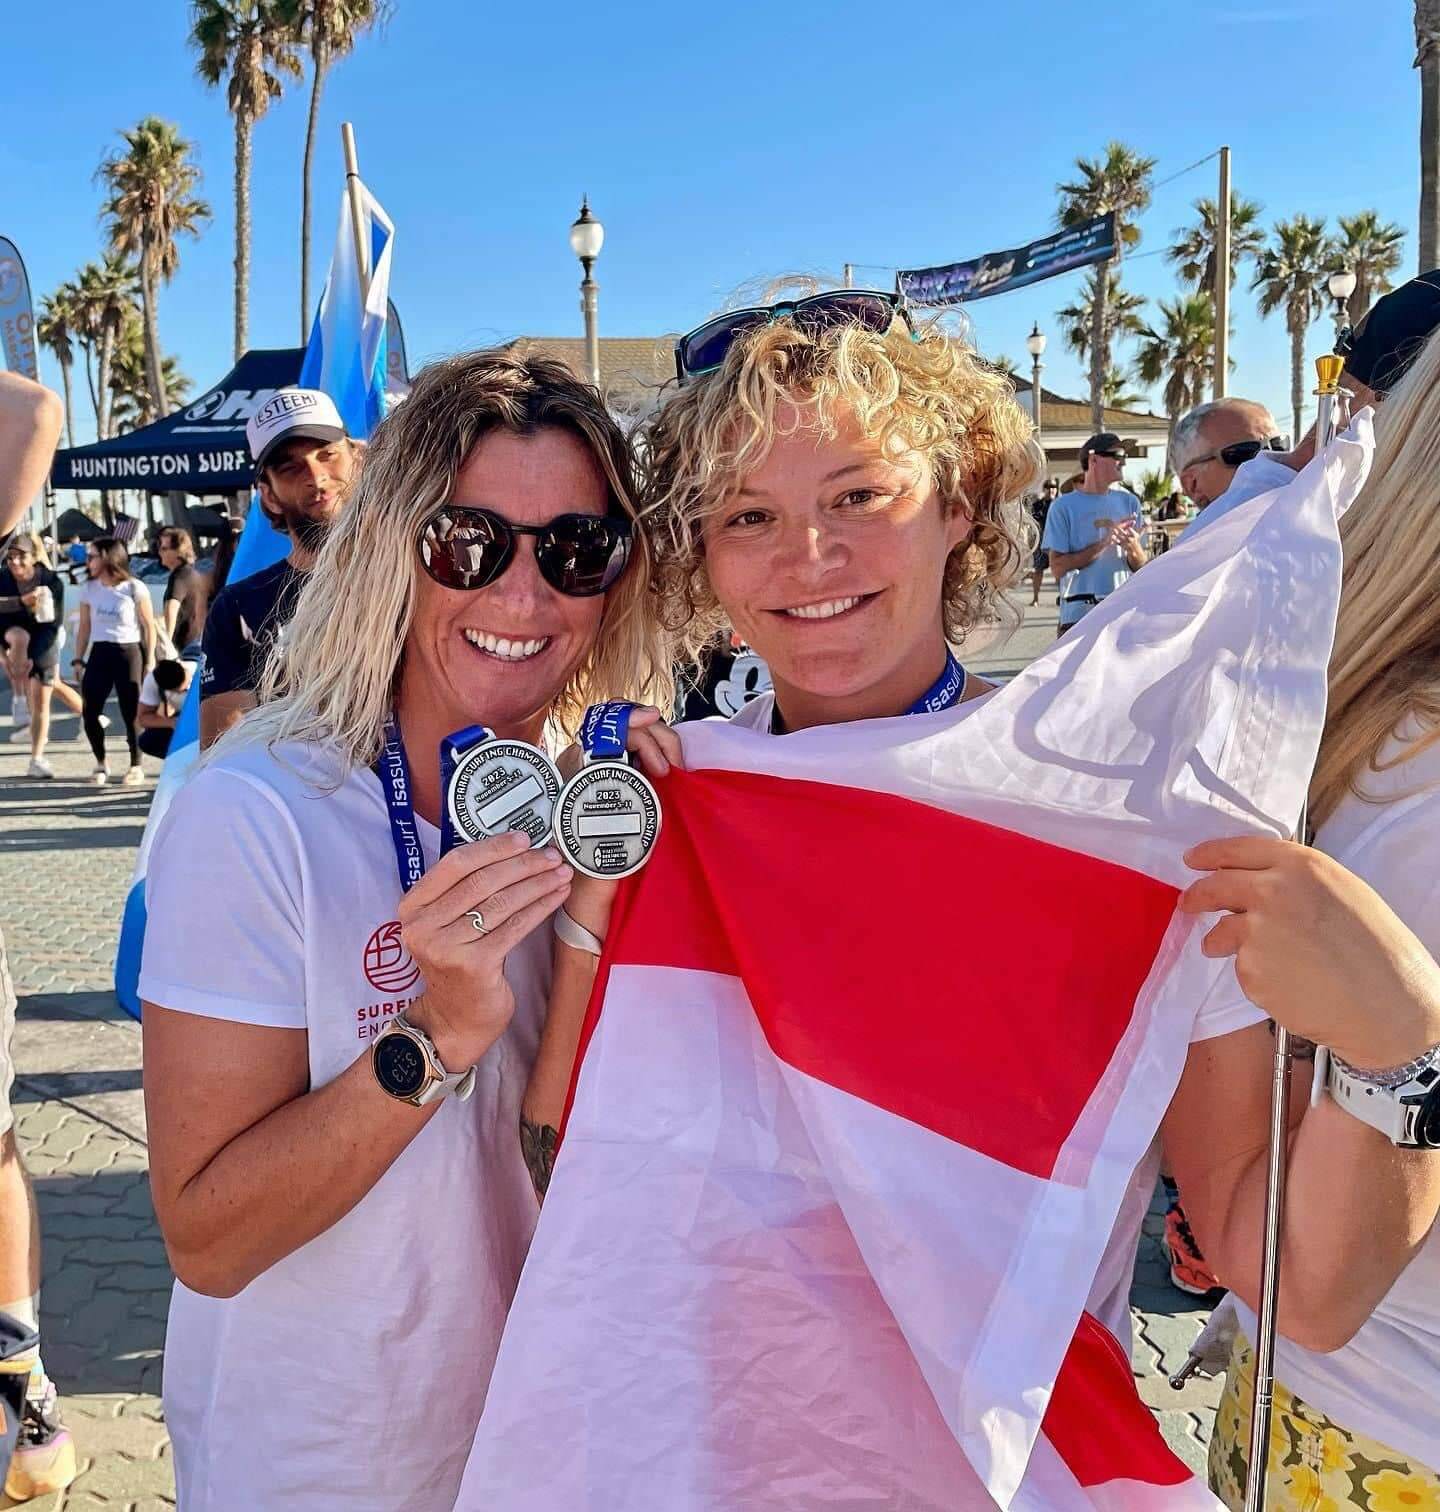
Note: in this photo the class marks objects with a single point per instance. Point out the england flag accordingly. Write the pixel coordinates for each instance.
(879, 1039)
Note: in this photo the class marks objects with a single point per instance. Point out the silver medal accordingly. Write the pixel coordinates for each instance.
(607, 819)
(503, 785)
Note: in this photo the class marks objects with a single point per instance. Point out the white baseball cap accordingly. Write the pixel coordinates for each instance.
(289, 413)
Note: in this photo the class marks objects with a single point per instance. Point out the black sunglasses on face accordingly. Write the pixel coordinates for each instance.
(1239, 451)
(1114, 456)
(579, 555)
(704, 349)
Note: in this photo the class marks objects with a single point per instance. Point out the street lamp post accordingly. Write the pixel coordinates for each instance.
(1341, 284)
(1035, 345)
(587, 236)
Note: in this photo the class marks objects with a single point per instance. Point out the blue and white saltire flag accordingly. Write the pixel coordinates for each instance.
(346, 357)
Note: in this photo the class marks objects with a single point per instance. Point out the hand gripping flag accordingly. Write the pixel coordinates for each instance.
(880, 1037)
(346, 357)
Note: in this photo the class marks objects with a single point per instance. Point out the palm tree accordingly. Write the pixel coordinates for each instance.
(1370, 248)
(56, 332)
(1427, 60)
(1156, 485)
(1122, 316)
(331, 28)
(1180, 353)
(1290, 276)
(1193, 247)
(105, 297)
(152, 202)
(1120, 181)
(131, 405)
(247, 42)
(1118, 392)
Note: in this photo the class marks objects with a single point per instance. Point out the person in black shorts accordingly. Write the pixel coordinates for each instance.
(304, 467)
(32, 610)
(1040, 512)
(185, 592)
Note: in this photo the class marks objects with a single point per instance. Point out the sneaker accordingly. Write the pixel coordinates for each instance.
(135, 777)
(44, 1458)
(20, 735)
(100, 776)
(40, 770)
(1188, 1270)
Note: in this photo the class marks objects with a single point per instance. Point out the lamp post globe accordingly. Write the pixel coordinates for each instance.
(1341, 285)
(587, 236)
(1035, 345)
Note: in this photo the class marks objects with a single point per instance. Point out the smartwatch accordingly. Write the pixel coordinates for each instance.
(1406, 1112)
(407, 1067)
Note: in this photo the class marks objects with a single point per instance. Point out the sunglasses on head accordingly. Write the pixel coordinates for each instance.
(578, 555)
(1239, 451)
(704, 349)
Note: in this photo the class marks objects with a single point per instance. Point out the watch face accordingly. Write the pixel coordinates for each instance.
(399, 1065)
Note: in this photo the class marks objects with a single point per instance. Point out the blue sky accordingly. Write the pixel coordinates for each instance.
(718, 144)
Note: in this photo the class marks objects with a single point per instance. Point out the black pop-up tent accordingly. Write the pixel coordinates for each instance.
(200, 449)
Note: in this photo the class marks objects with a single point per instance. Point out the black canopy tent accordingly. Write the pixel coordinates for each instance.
(198, 450)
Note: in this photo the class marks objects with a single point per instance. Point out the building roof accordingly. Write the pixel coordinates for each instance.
(633, 369)
(1060, 413)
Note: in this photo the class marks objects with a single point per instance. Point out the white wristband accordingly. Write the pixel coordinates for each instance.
(576, 936)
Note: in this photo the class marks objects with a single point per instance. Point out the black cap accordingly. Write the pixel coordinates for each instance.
(1104, 441)
(1388, 337)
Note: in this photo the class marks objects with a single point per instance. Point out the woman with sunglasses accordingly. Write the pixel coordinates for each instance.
(842, 495)
(334, 1063)
(32, 612)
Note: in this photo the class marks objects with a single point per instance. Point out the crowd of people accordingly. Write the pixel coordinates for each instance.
(803, 535)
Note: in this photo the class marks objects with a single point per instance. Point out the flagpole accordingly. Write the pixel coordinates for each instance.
(1328, 370)
(357, 216)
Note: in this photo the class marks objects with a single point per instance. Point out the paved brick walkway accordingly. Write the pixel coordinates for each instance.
(66, 852)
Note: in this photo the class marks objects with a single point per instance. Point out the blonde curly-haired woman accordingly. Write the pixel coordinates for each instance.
(1357, 1414)
(845, 491)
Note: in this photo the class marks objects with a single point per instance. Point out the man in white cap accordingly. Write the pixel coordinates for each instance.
(305, 464)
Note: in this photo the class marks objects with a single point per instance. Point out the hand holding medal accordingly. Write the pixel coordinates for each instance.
(607, 817)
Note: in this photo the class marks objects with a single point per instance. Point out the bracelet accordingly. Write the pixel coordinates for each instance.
(575, 935)
(1390, 1077)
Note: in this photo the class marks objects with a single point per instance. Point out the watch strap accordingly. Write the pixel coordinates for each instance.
(442, 1082)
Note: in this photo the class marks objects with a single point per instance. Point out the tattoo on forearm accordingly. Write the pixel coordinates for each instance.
(537, 1144)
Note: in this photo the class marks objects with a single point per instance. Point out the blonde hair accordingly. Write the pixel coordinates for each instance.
(927, 391)
(333, 676)
(1386, 662)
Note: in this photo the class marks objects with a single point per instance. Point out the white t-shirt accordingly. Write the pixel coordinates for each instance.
(113, 612)
(1109, 1299)
(352, 1373)
(1386, 1381)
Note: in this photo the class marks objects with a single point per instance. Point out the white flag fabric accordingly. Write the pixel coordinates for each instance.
(880, 1037)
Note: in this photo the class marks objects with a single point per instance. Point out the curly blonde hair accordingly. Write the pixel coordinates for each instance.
(926, 391)
(333, 676)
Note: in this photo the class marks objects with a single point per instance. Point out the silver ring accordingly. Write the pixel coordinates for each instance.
(478, 920)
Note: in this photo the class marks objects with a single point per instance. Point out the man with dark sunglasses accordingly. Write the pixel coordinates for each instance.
(1093, 532)
(305, 465)
(1209, 443)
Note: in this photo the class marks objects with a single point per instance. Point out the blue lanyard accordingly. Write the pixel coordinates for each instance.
(394, 773)
(606, 730)
(947, 689)
(452, 748)
(944, 691)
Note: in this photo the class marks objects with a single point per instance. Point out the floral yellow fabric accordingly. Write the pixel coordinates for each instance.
(1315, 1465)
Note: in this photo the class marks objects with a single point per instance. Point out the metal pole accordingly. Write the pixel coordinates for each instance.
(357, 208)
(849, 275)
(1035, 399)
(588, 303)
(1222, 278)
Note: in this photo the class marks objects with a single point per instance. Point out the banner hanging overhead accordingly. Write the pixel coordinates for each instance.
(17, 314)
(998, 272)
